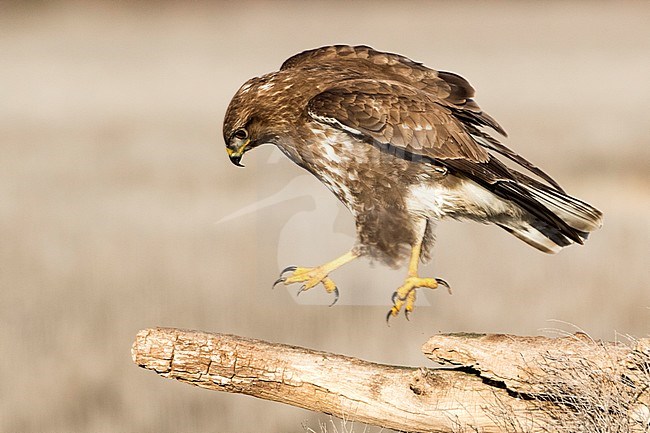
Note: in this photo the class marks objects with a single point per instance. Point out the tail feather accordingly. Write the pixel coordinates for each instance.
(536, 238)
(518, 193)
(550, 218)
(545, 234)
(576, 213)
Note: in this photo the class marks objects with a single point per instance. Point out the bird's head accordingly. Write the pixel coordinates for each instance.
(249, 119)
(238, 142)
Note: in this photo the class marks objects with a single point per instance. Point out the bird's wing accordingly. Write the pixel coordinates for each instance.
(451, 93)
(397, 116)
(451, 89)
(411, 124)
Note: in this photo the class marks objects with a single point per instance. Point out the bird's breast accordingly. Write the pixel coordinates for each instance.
(333, 157)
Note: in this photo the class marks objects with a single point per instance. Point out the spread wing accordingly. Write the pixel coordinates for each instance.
(396, 116)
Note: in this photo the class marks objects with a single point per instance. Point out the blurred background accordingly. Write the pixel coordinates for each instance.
(119, 209)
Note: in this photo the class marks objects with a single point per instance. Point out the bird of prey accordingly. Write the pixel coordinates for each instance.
(403, 146)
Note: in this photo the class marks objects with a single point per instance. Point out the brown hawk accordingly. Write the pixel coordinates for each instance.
(403, 146)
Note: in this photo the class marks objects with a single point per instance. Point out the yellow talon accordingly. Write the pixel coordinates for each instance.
(405, 295)
(311, 277)
(329, 285)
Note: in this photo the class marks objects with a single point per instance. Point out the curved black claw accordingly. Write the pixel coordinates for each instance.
(278, 281)
(388, 316)
(394, 297)
(444, 283)
(336, 296)
(288, 269)
(302, 289)
(406, 314)
(282, 278)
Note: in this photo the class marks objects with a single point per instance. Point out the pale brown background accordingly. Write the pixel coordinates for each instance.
(113, 180)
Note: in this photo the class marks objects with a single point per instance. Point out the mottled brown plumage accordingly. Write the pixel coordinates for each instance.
(402, 146)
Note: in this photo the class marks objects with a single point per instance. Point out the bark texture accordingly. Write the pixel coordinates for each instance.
(488, 377)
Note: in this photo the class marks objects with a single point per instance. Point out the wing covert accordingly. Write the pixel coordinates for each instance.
(451, 89)
(394, 114)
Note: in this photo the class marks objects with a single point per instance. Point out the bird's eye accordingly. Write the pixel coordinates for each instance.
(241, 134)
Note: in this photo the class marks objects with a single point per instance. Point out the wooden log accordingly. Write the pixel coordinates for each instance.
(497, 384)
(400, 398)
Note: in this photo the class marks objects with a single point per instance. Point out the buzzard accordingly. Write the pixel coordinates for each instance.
(403, 146)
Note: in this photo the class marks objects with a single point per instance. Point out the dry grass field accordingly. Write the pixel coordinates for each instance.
(119, 209)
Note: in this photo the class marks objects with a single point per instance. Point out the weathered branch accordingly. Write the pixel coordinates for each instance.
(517, 361)
(605, 385)
(492, 375)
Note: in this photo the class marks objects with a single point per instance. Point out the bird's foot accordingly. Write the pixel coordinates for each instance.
(405, 295)
(310, 277)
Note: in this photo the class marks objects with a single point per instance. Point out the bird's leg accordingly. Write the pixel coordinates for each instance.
(405, 294)
(311, 277)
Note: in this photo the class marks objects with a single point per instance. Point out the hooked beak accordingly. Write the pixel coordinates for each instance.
(235, 160)
(236, 154)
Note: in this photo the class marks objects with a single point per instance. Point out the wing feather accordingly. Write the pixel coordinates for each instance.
(395, 114)
(422, 112)
(408, 106)
(452, 89)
